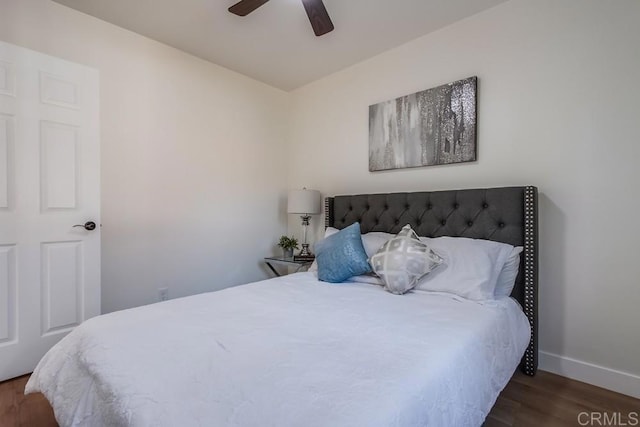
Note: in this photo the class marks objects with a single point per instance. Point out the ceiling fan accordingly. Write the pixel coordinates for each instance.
(316, 12)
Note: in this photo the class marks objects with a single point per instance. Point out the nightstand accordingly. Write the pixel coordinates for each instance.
(287, 262)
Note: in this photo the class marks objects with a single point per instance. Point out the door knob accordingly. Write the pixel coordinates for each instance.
(89, 225)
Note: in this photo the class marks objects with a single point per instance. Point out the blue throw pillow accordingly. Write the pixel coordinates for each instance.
(342, 255)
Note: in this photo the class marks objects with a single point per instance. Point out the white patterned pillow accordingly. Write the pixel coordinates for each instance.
(403, 260)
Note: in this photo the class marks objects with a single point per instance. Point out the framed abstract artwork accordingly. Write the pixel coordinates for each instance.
(433, 127)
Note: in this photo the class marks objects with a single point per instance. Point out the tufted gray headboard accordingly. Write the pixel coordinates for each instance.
(507, 215)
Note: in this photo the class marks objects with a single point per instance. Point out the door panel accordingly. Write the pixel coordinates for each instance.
(7, 293)
(49, 181)
(58, 163)
(58, 91)
(7, 78)
(62, 284)
(6, 156)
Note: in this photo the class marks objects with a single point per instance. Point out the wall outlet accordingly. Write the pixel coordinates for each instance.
(163, 294)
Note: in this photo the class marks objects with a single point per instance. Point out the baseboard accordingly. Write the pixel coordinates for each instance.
(621, 382)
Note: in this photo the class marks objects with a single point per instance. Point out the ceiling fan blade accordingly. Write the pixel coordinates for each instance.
(318, 16)
(245, 7)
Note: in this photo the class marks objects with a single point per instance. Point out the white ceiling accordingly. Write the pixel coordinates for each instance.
(275, 44)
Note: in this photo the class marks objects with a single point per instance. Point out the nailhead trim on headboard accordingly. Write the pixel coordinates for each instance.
(531, 276)
(326, 212)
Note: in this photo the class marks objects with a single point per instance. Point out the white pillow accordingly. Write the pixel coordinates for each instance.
(507, 278)
(470, 269)
(374, 240)
(371, 242)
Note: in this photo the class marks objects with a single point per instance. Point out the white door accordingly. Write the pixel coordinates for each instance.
(49, 182)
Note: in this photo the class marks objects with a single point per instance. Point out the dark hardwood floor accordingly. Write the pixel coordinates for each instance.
(550, 400)
(16, 409)
(544, 400)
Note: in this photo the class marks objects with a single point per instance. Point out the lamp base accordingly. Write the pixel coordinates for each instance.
(305, 250)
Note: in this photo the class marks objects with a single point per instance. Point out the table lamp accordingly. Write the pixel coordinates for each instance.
(306, 203)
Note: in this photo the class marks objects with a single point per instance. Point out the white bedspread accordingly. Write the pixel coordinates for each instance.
(290, 351)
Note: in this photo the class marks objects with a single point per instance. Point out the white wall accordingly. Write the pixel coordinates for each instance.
(558, 108)
(193, 175)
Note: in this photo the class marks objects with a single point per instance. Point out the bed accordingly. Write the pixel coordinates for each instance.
(294, 351)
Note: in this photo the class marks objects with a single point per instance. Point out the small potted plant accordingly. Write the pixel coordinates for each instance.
(288, 244)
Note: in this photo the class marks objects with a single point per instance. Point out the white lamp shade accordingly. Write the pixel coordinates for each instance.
(304, 202)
